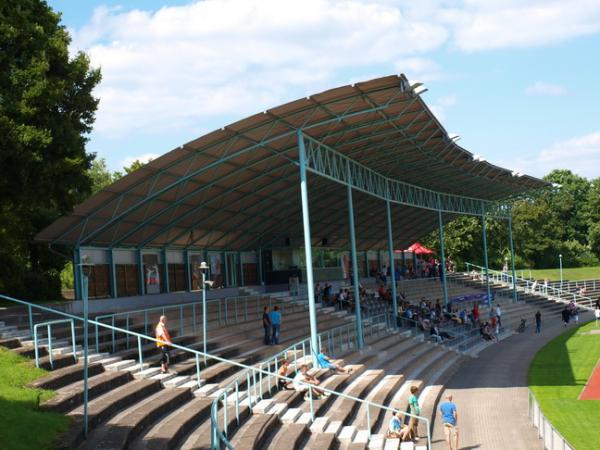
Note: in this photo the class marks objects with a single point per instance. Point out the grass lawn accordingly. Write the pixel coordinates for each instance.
(23, 426)
(577, 273)
(557, 376)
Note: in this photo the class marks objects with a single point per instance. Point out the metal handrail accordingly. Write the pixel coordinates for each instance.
(506, 279)
(222, 310)
(198, 354)
(48, 326)
(546, 432)
(253, 378)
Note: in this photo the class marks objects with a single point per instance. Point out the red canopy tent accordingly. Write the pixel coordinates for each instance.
(419, 249)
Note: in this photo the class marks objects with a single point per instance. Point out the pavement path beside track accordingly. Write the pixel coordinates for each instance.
(491, 392)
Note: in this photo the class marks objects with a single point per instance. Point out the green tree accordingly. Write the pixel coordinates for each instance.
(46, 111)
(100, 175)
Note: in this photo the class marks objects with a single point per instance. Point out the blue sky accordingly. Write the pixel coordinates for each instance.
(517, 80)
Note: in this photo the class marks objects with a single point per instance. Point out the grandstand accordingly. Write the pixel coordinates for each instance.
(354, 172)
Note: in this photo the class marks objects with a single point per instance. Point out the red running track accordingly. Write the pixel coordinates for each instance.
(591, 391)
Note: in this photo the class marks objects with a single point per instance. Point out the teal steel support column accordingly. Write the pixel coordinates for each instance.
(261, 277)
(443, 257)
(392, 265)
(312, 312)
(512, 256)
(166, 270)
(140, 261)
(187, 271)
(404, 260)
(485, 258)
(359, 328)
(77, 274)
(241, 282)
(113, 273)
(414, 262)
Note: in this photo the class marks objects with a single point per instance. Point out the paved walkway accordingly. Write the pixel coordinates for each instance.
(491, 393)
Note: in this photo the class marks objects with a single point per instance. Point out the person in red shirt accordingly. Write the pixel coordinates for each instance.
(163, 340)
(475, 313)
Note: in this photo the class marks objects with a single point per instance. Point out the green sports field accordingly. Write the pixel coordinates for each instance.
(575, 274)
(557, 375)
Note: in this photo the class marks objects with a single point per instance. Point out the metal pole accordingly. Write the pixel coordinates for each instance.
(204, 324)
(307, 247)
(359, 331)
(113, 273)
(187, 271)
(84, 282)
(261, 277)
(167, 288)
(485, 255)
(443, 257)
(512, 256)
(392, 265)
(561, 271)
(141, 275)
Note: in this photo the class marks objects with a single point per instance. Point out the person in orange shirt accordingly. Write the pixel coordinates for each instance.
(163, 340)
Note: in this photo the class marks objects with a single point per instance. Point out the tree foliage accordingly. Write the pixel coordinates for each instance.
(46, 112)
(562, 220)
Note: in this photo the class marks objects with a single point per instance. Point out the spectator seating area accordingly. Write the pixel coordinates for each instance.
(140, 408)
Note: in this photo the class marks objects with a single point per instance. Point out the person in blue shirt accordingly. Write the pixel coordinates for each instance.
(449, 421)
(275, 325)
(326, 363)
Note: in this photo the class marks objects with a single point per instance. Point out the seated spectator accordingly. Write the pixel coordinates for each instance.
(486, 332)
(283, 384)
(438, 334)
(325, 362)
(398, 430)
(303, 379)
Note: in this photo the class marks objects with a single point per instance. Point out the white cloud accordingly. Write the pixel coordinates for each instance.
(172, 68)
(175, 68)
(143, 158)
(546, 89)
(493, 24)
(440, 106)
(579, 154)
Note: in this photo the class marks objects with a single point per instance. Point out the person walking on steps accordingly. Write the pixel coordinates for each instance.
(266, 320)
(415, 410)
(449, 421)
(275, 324)
(566, 315)
(538, 322)
(597, 314)
(163, 339)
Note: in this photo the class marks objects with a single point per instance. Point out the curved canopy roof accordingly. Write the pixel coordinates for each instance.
(238, 187)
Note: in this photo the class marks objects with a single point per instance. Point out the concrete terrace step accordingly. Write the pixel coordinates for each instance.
(104, 407)
(169, 431)
(71, 396)
(65, 376)
(127, 425)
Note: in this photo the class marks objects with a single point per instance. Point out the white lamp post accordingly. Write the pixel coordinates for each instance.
(561, 270)
(85, 266)
(203, 267)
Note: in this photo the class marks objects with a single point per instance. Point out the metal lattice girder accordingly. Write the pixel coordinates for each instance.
(327, 162)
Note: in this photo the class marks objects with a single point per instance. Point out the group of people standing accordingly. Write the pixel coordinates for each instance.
(408, 431)
(272, 325)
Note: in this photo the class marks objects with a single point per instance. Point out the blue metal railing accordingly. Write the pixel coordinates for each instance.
(229, 310)
(48, 326)
(254, 379)
(526, 285)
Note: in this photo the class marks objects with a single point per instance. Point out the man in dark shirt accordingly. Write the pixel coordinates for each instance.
(266, 319)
